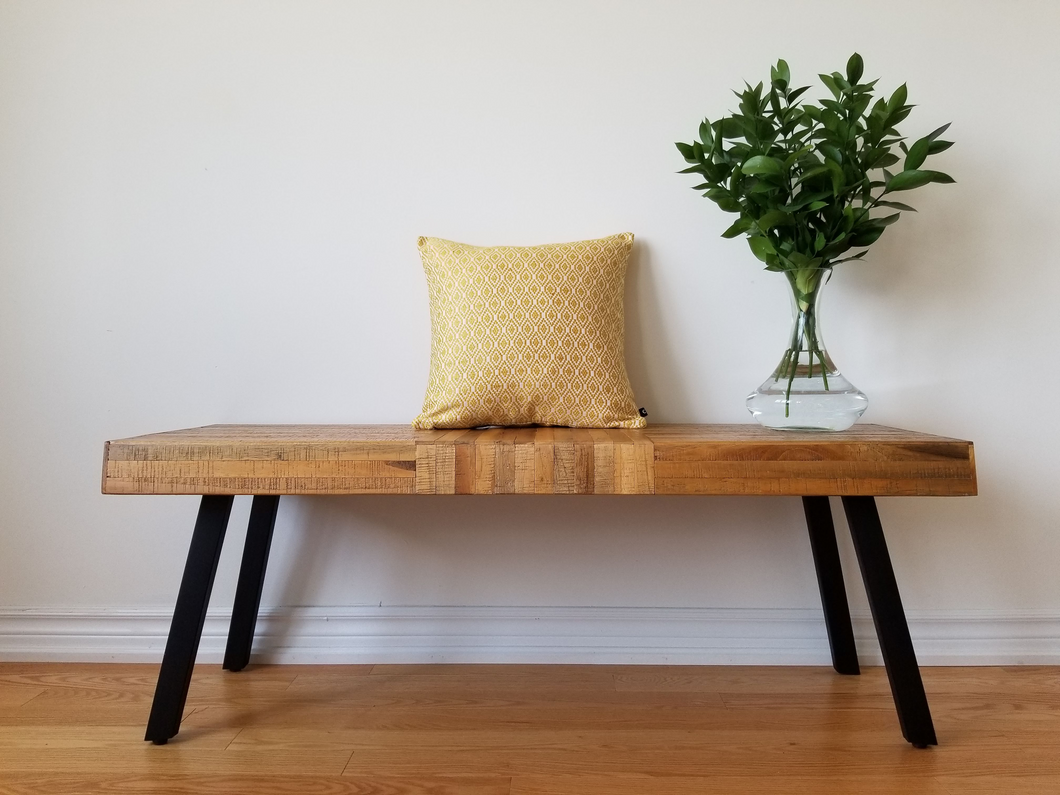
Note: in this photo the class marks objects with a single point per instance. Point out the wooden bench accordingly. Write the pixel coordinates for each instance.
(268, 461)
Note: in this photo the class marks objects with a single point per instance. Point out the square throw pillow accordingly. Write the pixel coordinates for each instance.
(528, 335)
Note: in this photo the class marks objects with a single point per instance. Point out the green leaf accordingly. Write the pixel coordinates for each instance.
(939, 177)
(806, 197)
(907, 180)
(855, 68)
(761, 248)
(861, 106)
(762, 164)
(832, 153)
(829, 81)
(918, 153)
(819, 242)
(859, 255)
(773, 218)
(933, 135)
(730, 128)
(886, 220)
(686, 152)
(838, 178)
(774, 102)
(706, 135)
(798, 92)
(761, 186)
(783, 72)
(898, 116)
(813, 172)
(898, 98)
(867, 237)
(939, 146)
(791, 159)
(848, 219)
(817, 205)
(738, 228)
(897, 206)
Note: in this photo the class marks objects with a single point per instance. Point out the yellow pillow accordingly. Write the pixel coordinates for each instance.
(528, 335)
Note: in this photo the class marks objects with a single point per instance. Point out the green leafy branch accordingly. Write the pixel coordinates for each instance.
(806, 178)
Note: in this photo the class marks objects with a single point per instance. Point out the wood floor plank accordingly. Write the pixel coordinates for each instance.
(491, 671)
(454, 710)
(37, 738)
(759, 680)
(14, 696)
(63, 705)
(558, 686)
(1006, 783)
(183, 756)
(188, 783)
(774, 758)
(719, 785)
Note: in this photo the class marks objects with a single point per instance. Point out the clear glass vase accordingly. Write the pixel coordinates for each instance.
(806, 392)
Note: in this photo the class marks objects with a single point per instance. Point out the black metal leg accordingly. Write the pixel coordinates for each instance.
(188, 617)
(251, 579)
(889, 618)
(830, 581)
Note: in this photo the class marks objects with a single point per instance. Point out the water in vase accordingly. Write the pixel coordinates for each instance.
(806, 391)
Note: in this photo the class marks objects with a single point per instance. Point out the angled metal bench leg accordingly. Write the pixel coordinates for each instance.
(251, 580)
(887, 614)
(830, 580)
(171, 692)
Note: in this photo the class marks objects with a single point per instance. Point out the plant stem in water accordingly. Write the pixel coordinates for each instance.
(824, 370)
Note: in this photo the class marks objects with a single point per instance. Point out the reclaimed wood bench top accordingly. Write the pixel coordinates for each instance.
(868, 460)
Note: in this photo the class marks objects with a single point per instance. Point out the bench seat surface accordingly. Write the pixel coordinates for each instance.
(869, 460)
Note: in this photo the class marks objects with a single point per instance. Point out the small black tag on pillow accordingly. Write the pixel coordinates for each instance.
(642, 411)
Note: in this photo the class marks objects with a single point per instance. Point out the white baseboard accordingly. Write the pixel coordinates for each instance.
(632, 635)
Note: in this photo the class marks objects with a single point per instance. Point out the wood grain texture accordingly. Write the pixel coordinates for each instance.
(530, 730)
(663, 459)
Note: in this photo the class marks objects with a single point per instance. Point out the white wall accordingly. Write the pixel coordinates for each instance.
(208, 213)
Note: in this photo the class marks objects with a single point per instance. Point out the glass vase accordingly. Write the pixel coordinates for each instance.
(807, 392)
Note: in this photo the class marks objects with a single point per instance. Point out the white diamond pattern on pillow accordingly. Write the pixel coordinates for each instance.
(528, 335)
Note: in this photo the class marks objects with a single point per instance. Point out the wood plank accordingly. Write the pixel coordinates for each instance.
(136, 758)
(174, 780)
(584, 459)
(544, 461)
(504, 467)
(603, 462)
(665, 459)
(464, 466)
(485, 462)
(424, 469)
(565, 481)
(632, 784)
(14, 696)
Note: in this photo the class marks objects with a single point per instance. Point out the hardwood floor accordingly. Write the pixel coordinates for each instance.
(526, 730)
